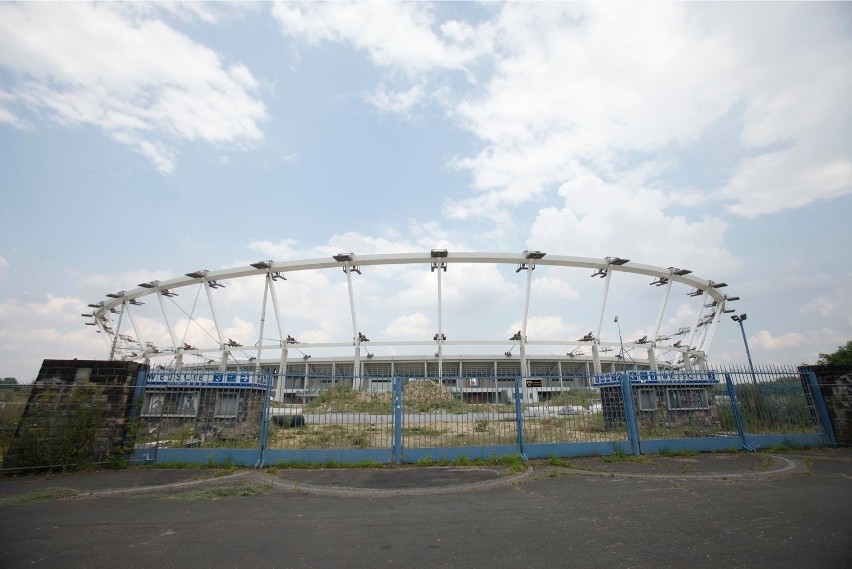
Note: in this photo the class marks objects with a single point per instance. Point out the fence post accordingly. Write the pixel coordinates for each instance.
(824, 419)
(397, 420)
(135, 411)
(264, 424)
(519, 417)
(735, 411)
(630, 414)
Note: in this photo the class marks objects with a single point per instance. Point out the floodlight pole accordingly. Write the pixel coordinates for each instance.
(739, 318)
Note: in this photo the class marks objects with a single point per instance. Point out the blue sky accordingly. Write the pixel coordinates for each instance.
(144, 141)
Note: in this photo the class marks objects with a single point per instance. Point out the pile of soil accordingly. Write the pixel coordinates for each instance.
(425, 393)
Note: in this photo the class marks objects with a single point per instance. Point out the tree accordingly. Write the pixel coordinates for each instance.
(843, 356)
(8, 381)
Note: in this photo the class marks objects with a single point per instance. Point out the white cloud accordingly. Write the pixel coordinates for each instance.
(767, 341)
(612, 86)
(821, 305)
(134, 77)
(415, 326)
(4, 267)
(50, 328)
(601, 219)
(398, 102)
(396, 34)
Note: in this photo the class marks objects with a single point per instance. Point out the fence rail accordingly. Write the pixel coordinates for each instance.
(233, 417)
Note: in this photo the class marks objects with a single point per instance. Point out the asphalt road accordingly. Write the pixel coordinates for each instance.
(663, 513)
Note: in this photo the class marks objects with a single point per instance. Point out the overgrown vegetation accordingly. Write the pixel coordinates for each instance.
(843, 356)
(577, 397)
(67, 431)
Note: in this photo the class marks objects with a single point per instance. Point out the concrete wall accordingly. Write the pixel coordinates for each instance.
(76, 415)
(835, 384)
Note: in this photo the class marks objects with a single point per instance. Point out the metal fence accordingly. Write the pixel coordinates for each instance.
(255, 419)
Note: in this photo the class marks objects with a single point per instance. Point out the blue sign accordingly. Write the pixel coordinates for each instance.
(661, 377)
(210, 379)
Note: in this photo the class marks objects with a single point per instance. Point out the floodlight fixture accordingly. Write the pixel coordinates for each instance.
(739, 317)
(113, 311)
(233, 343)
(710, 304)
(617, 261)
(711, 284)
(91, 324)
(731, 298)
(507, 354)
(662, 338)
(683, 330)
(152, 284)
(369, 355)
(728, 311)
(92, 315)
(439, 253)
(642, 340)
(262, 264)
(587, 338)
(96, 305)
(534, 254)
(215, 284)
(306, 357)
(136, 302)
(679, 272)
(600, 272)
(167, 293)
(696, 292)
(659, 281)
(119, 294)
(343, 257)
(197, 274)
(278, 276)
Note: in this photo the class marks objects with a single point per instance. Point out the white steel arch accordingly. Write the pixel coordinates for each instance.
(691, 354)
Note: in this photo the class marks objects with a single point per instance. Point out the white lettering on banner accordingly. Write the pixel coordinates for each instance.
(210, 379)
(656, 378)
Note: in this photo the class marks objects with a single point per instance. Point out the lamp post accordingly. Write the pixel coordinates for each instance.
(621, 343)
(739, 319)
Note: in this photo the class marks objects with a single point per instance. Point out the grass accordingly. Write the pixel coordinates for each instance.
(272, 469)
(677, 453)
(45, 495)
(621, 456)
(514, 463)
(220, 492)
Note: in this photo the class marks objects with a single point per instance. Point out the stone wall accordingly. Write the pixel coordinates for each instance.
(835, 384)
(76, 415)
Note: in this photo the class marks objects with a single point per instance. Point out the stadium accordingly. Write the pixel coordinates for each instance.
(180, 324)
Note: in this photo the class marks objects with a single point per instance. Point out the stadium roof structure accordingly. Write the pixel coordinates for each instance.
(120, 314)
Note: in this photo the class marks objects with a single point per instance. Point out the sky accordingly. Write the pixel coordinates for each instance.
(142, 141)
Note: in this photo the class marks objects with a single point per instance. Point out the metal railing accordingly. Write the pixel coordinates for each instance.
(200, 417)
